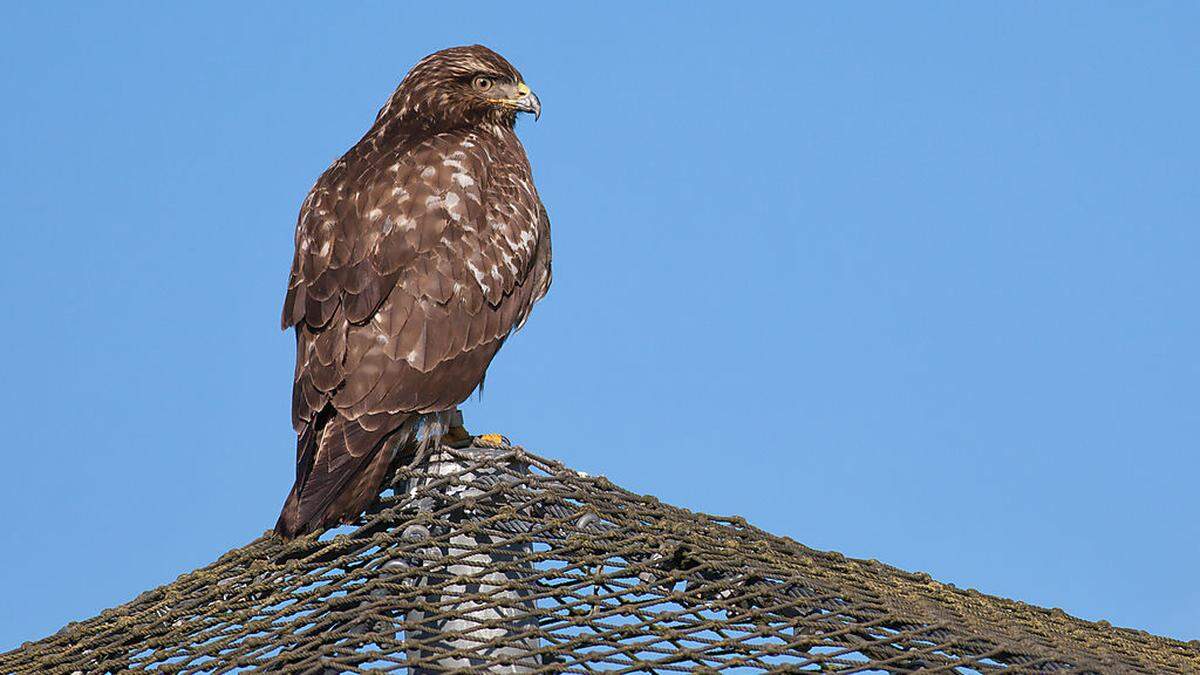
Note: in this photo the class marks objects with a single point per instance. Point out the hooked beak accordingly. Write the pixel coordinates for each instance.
(525, 101)
(528, 102)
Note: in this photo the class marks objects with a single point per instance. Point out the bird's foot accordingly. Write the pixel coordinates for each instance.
(458, 437)
(491, 441)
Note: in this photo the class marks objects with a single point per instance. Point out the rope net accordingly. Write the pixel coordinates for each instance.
(496, 560)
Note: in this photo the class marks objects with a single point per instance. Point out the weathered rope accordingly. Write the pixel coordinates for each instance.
(502, 561)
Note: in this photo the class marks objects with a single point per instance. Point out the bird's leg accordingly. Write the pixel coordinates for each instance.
(457, 436)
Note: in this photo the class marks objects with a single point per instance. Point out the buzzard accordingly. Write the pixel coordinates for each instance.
(418, 253)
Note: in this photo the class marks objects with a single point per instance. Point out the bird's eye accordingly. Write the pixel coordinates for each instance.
(482, 83)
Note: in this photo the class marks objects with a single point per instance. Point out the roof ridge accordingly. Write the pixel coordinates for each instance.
(488, 557)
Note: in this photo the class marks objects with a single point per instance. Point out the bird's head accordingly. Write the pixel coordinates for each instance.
(462, 86)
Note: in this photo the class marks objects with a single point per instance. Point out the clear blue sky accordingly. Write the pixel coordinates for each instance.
(916, 283)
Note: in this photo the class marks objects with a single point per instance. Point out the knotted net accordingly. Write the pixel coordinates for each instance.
(496, 560)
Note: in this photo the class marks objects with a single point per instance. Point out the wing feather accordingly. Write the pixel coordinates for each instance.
(411, 270)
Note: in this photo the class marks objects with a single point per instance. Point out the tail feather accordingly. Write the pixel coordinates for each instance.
(341, 468)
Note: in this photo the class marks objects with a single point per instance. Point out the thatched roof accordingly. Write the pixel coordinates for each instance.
(503, 561)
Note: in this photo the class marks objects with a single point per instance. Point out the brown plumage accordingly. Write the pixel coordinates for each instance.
(417, 254)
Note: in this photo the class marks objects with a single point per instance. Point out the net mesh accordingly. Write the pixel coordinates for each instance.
(496, 560)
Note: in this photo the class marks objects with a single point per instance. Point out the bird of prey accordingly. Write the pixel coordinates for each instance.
(418, 253)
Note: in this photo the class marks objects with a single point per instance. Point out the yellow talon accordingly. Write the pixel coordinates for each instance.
(491, 441)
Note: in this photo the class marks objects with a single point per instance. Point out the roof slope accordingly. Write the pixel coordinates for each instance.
(500, 560)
